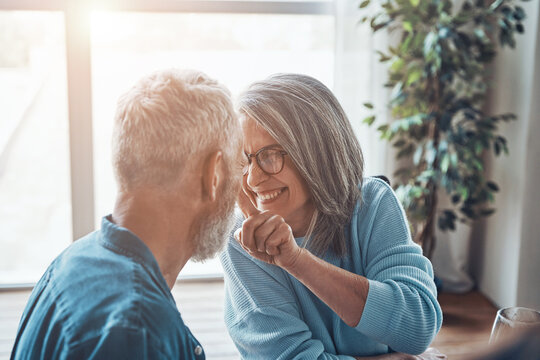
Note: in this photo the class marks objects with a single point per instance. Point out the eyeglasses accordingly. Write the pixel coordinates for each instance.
(269, 159)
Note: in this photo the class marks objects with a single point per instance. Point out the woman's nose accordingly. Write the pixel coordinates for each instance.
(255, 175)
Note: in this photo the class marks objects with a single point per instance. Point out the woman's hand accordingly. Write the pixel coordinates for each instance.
(266, 236)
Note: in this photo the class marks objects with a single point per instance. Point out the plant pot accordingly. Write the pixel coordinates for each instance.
(451, 259)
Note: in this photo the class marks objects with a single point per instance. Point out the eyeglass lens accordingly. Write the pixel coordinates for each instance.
(269, 160)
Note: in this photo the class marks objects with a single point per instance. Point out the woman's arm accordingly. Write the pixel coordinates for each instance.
(266, 237)
(261, 312)
(402, 310)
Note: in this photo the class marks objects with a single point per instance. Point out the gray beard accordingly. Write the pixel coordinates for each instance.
(216, 228)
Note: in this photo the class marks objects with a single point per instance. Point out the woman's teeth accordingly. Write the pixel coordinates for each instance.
(269, 196)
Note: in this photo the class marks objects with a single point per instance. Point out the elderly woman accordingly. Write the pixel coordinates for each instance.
(323, 267)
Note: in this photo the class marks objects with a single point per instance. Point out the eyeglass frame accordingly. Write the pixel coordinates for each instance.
(245, 170)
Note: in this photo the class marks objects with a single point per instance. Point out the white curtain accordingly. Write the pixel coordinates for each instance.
(359, 78)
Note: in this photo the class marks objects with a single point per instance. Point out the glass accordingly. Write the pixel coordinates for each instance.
(35, 203)
(236, 49)
(511, 321)
(270, 160)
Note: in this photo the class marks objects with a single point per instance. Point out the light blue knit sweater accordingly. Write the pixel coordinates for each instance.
(271, 315)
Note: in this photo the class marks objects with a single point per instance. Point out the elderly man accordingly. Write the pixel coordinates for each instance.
(176, 157)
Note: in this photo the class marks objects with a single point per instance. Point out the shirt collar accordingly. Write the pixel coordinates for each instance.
(123, 241)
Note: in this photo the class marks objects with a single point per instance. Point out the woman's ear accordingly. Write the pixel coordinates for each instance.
(211, 176)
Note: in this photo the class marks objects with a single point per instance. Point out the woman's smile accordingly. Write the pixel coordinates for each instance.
(270, 196)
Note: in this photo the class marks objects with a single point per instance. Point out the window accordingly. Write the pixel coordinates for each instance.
(35, 215)
(236, 42)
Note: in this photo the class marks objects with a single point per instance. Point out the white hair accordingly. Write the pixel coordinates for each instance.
(167, 119)
(309, 123)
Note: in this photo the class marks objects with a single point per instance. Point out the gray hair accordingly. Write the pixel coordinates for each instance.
(164, 120)
(307, 120)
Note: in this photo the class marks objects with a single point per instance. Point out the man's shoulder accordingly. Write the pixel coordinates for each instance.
(94, 287)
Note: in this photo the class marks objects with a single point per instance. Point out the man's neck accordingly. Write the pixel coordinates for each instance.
(160, 224)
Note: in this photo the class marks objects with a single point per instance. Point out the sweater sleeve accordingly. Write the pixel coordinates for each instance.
(401, 308)
(261, 315)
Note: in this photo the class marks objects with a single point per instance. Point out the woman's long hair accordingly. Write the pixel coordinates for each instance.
(306, 119)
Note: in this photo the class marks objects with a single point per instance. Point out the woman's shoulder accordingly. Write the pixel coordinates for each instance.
(379, 213)
(373, 191)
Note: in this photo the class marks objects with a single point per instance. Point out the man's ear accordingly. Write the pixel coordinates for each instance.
(211, 176)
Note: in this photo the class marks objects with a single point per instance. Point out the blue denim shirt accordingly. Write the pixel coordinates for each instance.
(104, 297)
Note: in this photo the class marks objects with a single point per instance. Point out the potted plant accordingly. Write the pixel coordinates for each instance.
(441, 132)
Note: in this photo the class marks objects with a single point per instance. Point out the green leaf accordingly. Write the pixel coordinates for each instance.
(441, 222)
(478, 148)
(468, 211)
(404, 47)
(486, 212)
(396, 90)
(397, 65)
(481, 35)
(519, 13)
(383, 127)
(478, 165)
(454, 159)
(495, 5)
(426, 176)
(407, 26)
(451, 224)
(464, 192)
(416, 191)
(443, 146)
(450, 214)
(508, 117)
(444, 32)
(492, 186)
(364, 4)
(415, 3)
(383, 56)
(369, 120)
(497, 148)
(368, 105)
(399, 143)
(429, 42)
(430, 156)
(414, 76)
(376, 24)
(418, 155)
(445, 163)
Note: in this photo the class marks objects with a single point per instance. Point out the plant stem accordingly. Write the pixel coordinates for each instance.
(427, 236)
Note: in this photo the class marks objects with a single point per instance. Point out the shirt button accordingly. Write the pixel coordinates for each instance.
(198, 350)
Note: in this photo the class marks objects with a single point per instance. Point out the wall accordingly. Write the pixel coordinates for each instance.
(505, 253)
(528, 292)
